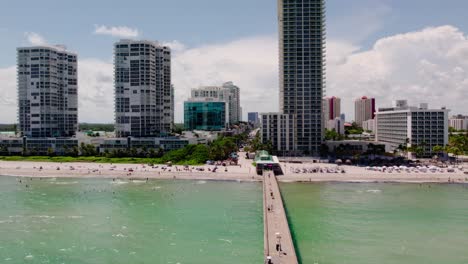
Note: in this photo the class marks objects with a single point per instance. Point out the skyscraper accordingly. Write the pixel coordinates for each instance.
(47, 91)
(302, 73)
(143, 100)
(364, 109)
(331, 108)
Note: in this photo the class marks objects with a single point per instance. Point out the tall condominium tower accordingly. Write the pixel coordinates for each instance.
(364, 109)
(47, 91)
(302, 82)
(143, 100)
(331, 108)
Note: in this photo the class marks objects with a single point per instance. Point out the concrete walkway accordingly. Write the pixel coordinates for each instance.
(276, 226)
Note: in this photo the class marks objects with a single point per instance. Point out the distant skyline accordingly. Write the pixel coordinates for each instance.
(388, 49)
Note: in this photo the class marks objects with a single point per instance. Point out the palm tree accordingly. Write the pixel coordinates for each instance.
(438, 149)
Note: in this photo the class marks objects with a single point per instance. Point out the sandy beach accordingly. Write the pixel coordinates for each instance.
(243, 172)
(128, 171)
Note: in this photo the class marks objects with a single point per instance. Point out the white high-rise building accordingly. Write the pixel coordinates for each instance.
(228, 93)
(364, 109)
(459, 122)
(419, 126)
(143, 92)
(331, 108)
(47, 91)
(235, 110)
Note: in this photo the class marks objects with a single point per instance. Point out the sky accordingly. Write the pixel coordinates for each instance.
(387, 49)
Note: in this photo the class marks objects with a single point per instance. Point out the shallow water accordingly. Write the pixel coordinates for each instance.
(102, 221)
(379, 223)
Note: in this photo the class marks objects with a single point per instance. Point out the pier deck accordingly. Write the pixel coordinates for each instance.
(276, 224)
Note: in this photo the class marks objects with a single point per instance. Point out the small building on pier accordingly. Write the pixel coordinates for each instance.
(265, 161)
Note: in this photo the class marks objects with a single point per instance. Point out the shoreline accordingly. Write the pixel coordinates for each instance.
(242, 173)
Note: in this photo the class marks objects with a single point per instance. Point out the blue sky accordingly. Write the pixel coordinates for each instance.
(353, 28)
(205, 21)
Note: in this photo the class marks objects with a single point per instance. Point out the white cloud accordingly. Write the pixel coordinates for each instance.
(8, 95)
(422, 66)
(96, 91)
(35, 39)
(251, 63)
(119, 31)
(175, 45)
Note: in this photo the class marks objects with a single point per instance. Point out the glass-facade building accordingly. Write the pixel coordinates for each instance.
(252, 117)
(210, 116)
(302, 69)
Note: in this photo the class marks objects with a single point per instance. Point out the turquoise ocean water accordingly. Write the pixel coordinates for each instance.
(379, 223)
(102, 221)
(106, 221)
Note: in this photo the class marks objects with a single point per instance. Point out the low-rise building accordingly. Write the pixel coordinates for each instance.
(123, 144)
(37, 146)
(265, 161)
(336, 124)
(414, 126)
(354, 146)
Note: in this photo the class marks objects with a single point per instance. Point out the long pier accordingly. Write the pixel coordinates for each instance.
(279, 246)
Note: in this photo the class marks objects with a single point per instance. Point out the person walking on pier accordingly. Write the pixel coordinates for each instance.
(268, 260)
(278, 243)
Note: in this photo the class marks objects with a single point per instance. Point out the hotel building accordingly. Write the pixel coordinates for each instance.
(419, 126)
